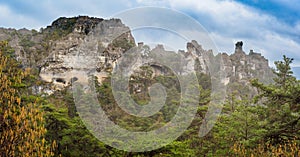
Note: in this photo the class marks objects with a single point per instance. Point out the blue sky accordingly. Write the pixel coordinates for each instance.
(271, 27)
(284, 10)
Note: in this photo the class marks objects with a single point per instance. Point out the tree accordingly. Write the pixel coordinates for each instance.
(21, 122)
(282, 103)
(283, 72)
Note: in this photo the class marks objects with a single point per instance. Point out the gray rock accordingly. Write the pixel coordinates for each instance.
(94, 45)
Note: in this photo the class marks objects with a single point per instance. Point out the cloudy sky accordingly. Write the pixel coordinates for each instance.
(270, 27)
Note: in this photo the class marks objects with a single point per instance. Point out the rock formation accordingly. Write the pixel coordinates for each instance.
(100, 43)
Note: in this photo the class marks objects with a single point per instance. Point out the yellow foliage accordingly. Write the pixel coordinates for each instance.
(21, 125)
(289, 149)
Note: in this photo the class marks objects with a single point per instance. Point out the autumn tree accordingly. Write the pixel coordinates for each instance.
(21, 121)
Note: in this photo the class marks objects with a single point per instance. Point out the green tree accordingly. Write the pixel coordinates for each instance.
(65, 126)
(239, 122)
(282, 103)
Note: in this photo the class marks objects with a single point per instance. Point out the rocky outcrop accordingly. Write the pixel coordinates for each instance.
(81, 24)
(196, 52)
(88, 48)
(240, 66)
(83, 45)
(233, 71)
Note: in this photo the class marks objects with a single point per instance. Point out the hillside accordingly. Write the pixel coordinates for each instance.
(87, 78)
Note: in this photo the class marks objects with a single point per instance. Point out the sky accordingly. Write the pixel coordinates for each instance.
(270, 27)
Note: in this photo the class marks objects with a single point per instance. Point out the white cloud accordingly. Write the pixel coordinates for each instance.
(152, 2)
(12, 20)
(154, 36)
(42, 13)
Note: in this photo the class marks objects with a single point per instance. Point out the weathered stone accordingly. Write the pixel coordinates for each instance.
(101, 43)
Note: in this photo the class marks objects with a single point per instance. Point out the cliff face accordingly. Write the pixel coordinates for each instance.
(100, 43)
(241, 66)
(234, 71)
(95, 51)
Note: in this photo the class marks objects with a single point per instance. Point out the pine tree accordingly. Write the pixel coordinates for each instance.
(282, 103)
(283, 71)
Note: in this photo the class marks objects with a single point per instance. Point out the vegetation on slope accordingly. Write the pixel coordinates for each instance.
(22, 130)
(266, 125)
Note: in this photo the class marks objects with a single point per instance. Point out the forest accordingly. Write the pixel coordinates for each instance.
(267, 124)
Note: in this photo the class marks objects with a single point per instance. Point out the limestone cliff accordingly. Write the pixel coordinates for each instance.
(54, 51)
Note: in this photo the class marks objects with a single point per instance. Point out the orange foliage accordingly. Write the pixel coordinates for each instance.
(289, 149)
(21, 125)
